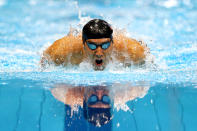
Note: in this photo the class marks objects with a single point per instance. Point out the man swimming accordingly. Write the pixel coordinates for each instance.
(96, 45)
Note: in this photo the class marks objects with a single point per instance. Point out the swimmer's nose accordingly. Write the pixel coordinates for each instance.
(99, 94)
(99, 52)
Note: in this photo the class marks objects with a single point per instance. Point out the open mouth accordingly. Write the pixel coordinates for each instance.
(99, 62)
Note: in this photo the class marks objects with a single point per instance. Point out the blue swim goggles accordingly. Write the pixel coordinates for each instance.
(93, 99)
(94, 46)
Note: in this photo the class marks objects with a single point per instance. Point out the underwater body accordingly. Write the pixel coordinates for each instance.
(168, 27)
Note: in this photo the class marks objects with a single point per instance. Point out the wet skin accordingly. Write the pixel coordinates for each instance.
(71, 50)
(98, 57)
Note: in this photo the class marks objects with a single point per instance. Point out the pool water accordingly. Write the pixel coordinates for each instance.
(29, 105)
(168, 27)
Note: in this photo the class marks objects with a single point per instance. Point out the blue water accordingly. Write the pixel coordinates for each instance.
(27, 27)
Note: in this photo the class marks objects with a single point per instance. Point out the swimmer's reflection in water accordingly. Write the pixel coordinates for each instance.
(98, 102)
(97, 105)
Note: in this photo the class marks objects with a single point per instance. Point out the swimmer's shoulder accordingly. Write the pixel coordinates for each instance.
(65, 45)
(134, 49)
(68, 46)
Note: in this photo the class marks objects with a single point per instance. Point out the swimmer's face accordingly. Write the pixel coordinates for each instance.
(98, 98)
(98, 51)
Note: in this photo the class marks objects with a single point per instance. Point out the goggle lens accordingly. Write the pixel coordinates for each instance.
(105, 45)
(93, 46)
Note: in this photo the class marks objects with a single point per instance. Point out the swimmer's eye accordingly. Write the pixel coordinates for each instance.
(91, 46)
(105, 45)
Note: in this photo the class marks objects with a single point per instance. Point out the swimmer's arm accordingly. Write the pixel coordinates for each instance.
(141, 55)
(69, 95)
(69, 49)
(129, 49)
(136, 51)
(56, 53)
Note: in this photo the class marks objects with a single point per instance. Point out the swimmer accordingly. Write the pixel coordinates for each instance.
(98, 102)
(97, 45)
